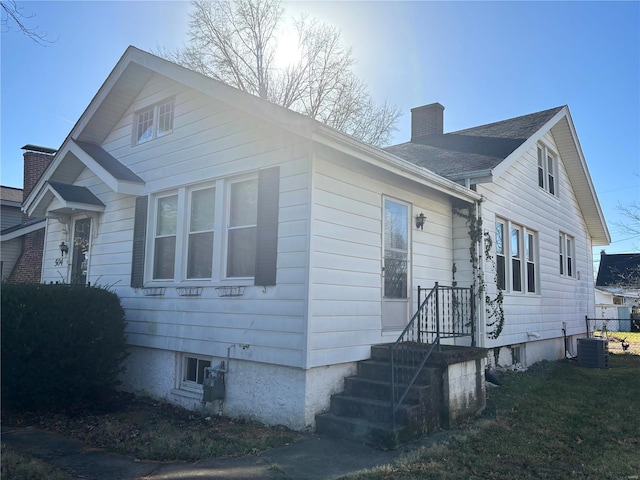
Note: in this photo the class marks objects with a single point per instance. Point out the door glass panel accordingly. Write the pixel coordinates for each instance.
(396, 235)
(80, 259)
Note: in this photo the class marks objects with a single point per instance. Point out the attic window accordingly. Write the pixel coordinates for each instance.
(154, 121)
(547, 170)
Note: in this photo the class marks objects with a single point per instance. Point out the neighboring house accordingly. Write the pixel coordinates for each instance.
(618, 286)
(10, 217)
(237, 231)
(22, 237)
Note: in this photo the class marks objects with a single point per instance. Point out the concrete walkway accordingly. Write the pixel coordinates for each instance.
(312, 457)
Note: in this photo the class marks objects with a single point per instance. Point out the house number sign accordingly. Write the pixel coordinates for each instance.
(58, 262)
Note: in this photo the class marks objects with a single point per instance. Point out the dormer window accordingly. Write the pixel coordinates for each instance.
(154, 121)
(547, 170)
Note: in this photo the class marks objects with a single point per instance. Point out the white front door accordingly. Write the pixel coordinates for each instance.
(395, 266)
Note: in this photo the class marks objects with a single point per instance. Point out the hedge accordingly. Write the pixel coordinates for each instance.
(61, 344)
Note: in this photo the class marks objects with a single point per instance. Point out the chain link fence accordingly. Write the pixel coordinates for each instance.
(623, 334)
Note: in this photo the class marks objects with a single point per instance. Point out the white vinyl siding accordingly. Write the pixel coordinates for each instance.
(513, 196)
(346, 284)
(209, 141)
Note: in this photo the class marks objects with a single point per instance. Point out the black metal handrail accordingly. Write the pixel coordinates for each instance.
(445, 312)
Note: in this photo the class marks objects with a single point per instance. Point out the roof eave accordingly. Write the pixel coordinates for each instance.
(387, 161)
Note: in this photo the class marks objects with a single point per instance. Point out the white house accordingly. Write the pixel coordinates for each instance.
(237, 231)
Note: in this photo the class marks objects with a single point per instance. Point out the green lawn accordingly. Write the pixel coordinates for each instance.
(557, 420)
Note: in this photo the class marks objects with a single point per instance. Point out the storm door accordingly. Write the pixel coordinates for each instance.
(395, 268)
(80, 252)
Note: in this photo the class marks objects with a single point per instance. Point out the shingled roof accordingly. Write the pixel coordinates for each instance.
(621, 269)
(473, 149)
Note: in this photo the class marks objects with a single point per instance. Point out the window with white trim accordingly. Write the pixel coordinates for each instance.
(192, 371)
(566, 249)
(224, 229)
(241, 227)
(501, 272)
(154, 121)
(547, 169)
(218, 244)
(519, 274)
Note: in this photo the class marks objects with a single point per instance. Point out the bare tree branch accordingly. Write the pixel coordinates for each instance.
(236, 42)
(632, 212)
(12, 14)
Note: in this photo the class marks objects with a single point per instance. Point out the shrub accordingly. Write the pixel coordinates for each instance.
(60, 344)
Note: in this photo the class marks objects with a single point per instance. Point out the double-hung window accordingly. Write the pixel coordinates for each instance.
(166, 229)
(516, 258)
(547, 169)
(222, 230)
(202, 209)
(501, 272)
(207, 232)
(241, 229)
(154, 121)
(519, 274)
(566, 248)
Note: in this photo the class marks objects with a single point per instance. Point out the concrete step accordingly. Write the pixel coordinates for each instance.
(381, 390)
(414, 351)
(377, 434)
(373, 410)
(381, 370)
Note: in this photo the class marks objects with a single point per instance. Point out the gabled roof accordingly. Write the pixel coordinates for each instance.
(81, 149)
(481, 154)
(619, 270)
(467, 152)
(64, 199)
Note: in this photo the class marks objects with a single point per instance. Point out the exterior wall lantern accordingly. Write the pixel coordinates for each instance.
(63, 249)
(420, 220)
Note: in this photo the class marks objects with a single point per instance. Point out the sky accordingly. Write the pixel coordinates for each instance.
(484, 61)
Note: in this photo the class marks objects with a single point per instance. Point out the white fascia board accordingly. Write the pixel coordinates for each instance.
(118, 186)
(589, 182)
(37, 200)
(393, 164)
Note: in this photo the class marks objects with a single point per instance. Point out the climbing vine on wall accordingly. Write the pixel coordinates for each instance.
(479, 236)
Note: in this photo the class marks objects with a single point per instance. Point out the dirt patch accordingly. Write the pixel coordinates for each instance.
(154, 430)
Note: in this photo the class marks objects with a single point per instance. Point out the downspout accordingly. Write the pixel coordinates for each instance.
(481, 308)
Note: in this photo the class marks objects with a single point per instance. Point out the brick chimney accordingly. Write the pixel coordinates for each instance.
(36, 161)
(426, 120)
(28, 266)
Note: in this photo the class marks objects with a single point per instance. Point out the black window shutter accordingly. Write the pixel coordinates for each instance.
(267, 229)
(139, 240)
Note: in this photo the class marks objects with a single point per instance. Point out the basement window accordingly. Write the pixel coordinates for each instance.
(192, 374)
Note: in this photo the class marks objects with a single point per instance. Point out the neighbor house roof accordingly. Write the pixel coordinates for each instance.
(22, 229)
(11, 195)
(619, 270)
